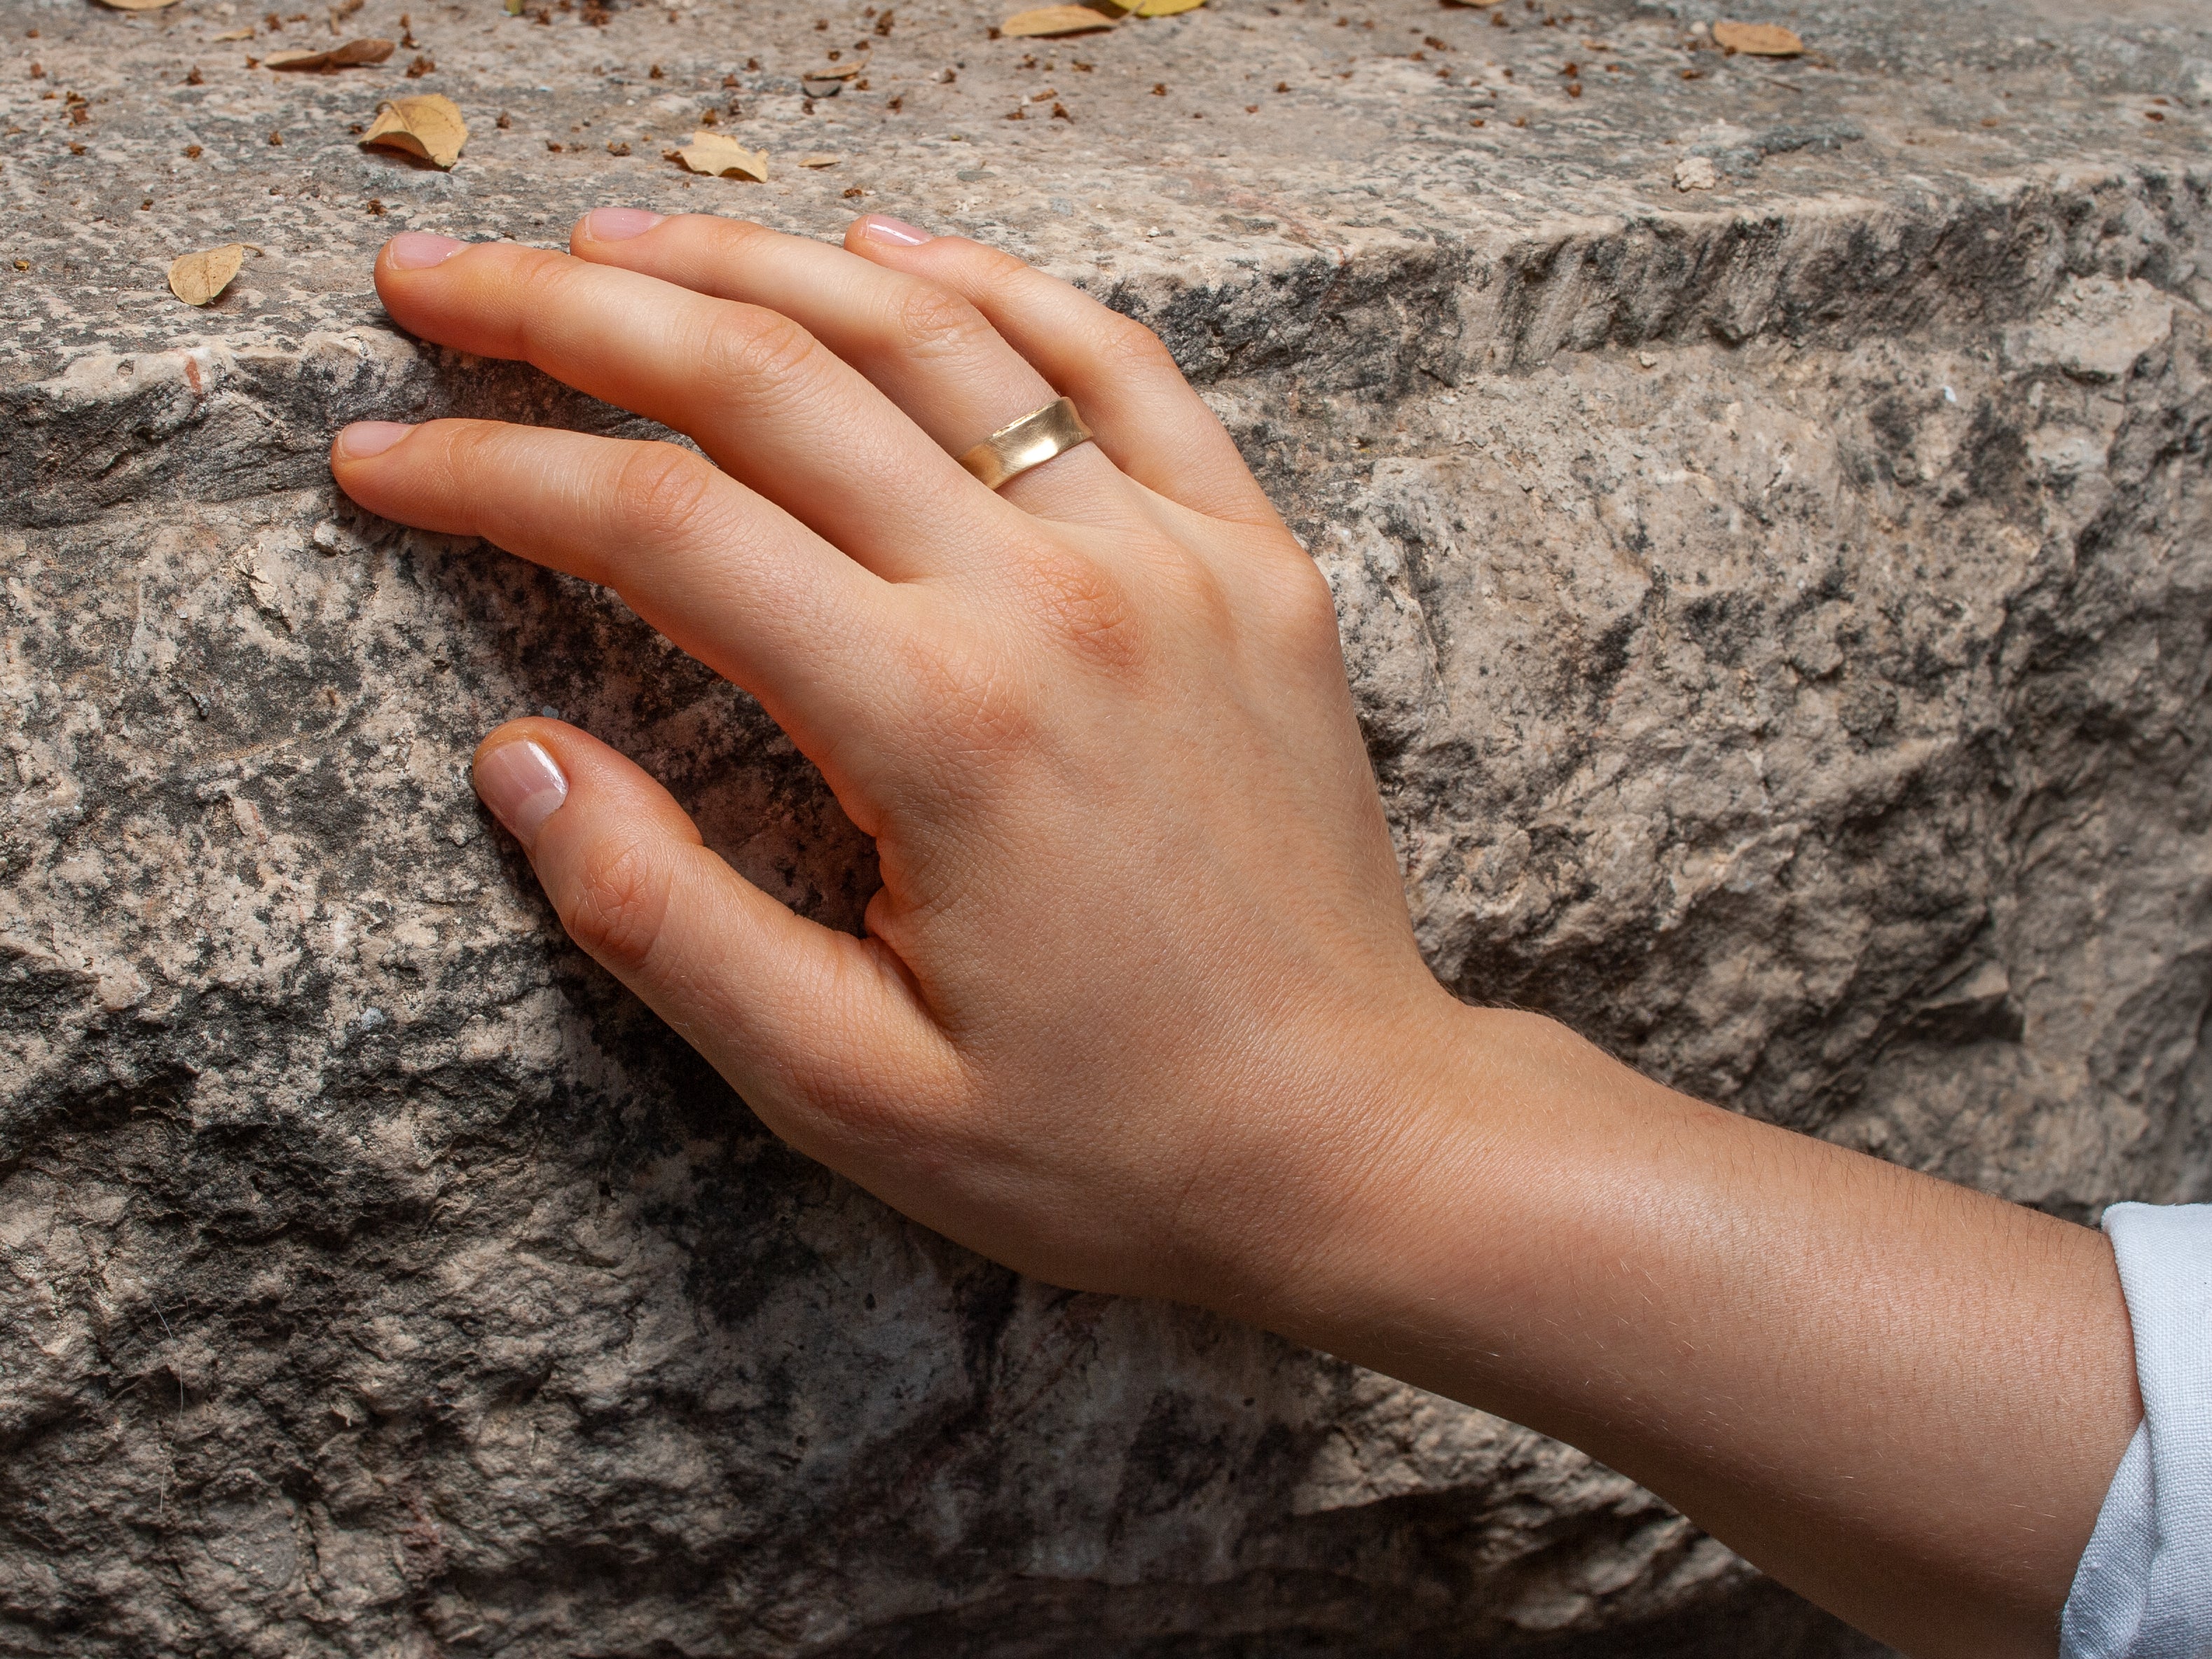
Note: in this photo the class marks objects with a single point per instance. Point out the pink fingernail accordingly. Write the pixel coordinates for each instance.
(366, 438)
(619, 224)
(414, 250)
(882, 227)
(523, 784)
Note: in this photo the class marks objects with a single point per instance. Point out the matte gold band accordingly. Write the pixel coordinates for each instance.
(1031, 442)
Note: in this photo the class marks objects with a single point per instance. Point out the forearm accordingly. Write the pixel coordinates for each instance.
(1901, 1397)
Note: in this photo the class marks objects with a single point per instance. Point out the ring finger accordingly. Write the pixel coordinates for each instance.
(924, 347)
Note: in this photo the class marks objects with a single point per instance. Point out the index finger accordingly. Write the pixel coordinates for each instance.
(758, 598)
(770, 404)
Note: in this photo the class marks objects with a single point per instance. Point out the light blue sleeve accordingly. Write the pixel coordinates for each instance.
(2144, 1588)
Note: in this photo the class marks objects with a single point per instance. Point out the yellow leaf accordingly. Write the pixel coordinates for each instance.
(1054, 20)
(429, 128)
(197, 278)
(1760, 39)
(1167, 8)
(719, 157)
(330, 58)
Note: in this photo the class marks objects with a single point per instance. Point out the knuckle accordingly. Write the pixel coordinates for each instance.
(755, 350)
(996, 274)
(733, 239)
(661, 491)
(1083, 607)
(539, 288)
(979, 708)
(929, 321)
(467, 451)
(1303, 601)
(617, 903)
(1302, 610)
(996, 265)
(1132, 348)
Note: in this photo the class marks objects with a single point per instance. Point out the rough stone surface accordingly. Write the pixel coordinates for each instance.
(1779, 613)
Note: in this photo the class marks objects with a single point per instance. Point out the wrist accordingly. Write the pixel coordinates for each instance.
(1395, 1178)
(1817, 1356)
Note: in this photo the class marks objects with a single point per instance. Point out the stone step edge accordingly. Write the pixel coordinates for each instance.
(1385, 316)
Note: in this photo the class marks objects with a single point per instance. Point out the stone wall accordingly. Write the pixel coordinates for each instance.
(1779, 615)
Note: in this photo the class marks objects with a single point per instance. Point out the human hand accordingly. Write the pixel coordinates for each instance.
(1139, 996)
(1138, 1007)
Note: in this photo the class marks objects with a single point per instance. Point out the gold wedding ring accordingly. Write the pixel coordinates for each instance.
(1031, 442)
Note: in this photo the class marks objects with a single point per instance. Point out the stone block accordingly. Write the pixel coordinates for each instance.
(1777, 609)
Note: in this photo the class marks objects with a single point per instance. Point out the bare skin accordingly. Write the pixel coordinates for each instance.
(1138, 1007)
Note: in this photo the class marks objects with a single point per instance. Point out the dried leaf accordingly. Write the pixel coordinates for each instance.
(1475, 3)
(820, 159)
(197, 278)
(429, 128)
(330, 58)
(245, 34)
(720, 157)
(1054, 20)
(1167, 8)
(140, 5)
(832, 72)
(1760, 39)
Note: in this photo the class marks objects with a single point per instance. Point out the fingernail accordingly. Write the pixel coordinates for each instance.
(523, 784)
(882, 227)
(366, 438)
(619, 224)
(412, 250)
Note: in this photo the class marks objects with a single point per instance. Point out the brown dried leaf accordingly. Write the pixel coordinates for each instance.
(330, 58)
(140, 5)
(1167, 8)
(832, 72)
(820, 159)
(245, 34)
(428, 127)
(721, 157)
(197, 278)
(1760, 39)
(1054, 20)
(1472, 3)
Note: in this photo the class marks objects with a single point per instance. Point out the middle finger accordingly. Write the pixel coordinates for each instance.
(765, 400)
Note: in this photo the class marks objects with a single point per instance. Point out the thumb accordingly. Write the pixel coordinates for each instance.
(821, 1032)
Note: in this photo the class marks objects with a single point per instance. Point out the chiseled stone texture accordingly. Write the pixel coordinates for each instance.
(1778, 613)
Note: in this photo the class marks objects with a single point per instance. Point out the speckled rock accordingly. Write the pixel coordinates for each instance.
(1778, 610)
